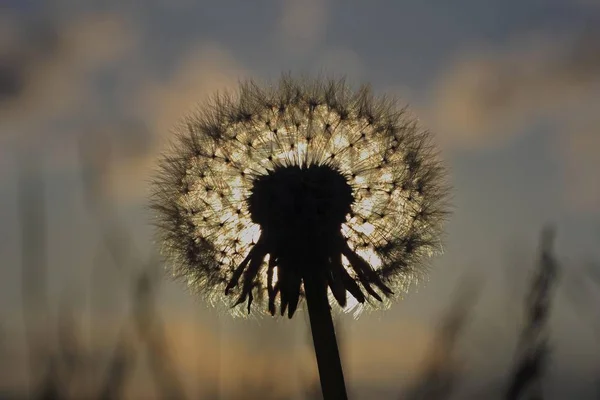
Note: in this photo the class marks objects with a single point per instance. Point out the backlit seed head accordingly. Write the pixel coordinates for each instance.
(267, 186)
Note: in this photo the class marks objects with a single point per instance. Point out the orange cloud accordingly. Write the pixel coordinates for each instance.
(391, 354)
(203, 71)
(270, 355)
(51, 65)
(579, 146)
(487, 97)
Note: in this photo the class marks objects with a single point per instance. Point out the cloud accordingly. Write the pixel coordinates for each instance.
(301, 24)
(45, 67)
(202, 71)
(248, 358)
(579, 147)
(394, 354)
(197, 351)
(486, 97)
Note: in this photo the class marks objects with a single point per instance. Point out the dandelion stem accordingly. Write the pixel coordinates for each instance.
(324, 340)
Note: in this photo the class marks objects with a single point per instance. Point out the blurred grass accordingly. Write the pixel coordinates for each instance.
(72, 371)
(533, 349)
(442, 371)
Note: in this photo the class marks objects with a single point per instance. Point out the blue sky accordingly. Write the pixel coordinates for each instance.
(510, 89)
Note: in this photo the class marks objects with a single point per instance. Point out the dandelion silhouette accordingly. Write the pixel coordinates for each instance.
(276, 194)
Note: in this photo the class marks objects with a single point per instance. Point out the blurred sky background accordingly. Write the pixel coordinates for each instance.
(510, 88)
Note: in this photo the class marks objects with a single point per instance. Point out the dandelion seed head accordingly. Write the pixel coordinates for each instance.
(264, 184)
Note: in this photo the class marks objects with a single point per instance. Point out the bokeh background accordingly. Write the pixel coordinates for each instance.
(89, 91)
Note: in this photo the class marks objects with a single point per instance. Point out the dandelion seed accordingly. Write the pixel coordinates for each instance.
(302, 167)
(302, 184)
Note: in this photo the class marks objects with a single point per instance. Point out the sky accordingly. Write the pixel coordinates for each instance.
(510, 89)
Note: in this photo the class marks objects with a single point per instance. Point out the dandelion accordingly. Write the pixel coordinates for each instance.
(302, 190)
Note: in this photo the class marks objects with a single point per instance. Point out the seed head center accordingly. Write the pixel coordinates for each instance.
(301, 205)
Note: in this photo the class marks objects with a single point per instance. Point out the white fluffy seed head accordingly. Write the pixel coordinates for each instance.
(203, 184)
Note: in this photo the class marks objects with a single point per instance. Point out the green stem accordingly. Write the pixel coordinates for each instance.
(324, 340)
